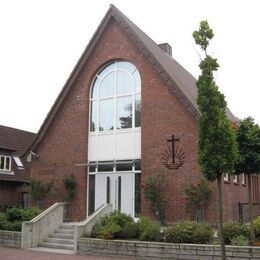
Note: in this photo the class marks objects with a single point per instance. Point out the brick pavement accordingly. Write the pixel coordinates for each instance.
(20, 254)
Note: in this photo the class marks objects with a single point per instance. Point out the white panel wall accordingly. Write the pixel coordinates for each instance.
(105, 147)
(115, 145)
(137, 144)
(124, 145)
(92, 148)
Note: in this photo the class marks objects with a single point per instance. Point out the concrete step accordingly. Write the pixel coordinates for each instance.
(67, 226)
(53, 250)
(63, 236)
(59, 241)
(55, 245)
(64, 231)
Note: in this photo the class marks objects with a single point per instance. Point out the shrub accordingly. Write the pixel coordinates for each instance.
(130, 230)
(14, 214)
(13, 217)
(179, 233)
(239, 241)
(117, 217)
(148, 230)
(202, 233)
(257, 227)
(151, 233)
(109, 231)
(3, 219)
(142, 224)
(96, 230)
(232, 230)
(29, 214)
(13, 226)
(115, 225)
(189, 232)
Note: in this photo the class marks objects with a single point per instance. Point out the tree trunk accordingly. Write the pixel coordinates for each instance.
(220, 217)
(250, 205)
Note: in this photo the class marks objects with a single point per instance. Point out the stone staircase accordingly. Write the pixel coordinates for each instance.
(61, 239)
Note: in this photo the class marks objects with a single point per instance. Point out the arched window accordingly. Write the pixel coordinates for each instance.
(116, 98)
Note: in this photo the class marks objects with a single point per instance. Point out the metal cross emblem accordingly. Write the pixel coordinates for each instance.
(173, 140)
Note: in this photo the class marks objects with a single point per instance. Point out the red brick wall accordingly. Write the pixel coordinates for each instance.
(9, 194)
(232, 194)
(66, 140)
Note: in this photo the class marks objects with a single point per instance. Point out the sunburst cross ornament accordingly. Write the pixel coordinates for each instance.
(173, 157)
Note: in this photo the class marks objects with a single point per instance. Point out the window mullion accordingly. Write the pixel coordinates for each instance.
(115, 114)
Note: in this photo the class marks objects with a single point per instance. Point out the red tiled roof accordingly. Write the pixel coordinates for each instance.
(20, 177)
(15, 139)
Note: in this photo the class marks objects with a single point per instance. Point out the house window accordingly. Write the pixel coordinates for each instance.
(243, 180)
(18, 162)
(5, 163)
(114, 166)
(236, 179)
(115, 98)
(226, 177)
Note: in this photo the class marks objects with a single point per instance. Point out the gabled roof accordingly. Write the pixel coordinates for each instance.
(14, 139)
(179, 80)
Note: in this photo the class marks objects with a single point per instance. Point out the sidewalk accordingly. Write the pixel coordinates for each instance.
(7, 253)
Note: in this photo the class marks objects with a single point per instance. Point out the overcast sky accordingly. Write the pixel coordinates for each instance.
(41, 41)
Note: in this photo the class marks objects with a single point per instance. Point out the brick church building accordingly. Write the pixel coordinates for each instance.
(111, 123)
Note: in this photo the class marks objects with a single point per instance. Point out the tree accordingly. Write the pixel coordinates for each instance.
(154, 191)
(197, 197)
(217, 151)
(248, 139)
(39, 190)
(70, 185)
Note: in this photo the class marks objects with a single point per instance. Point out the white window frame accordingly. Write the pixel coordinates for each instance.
(236, 179)
(5, 159)
(243, 179)
(114, 97)
(18, 161)
(226, 177)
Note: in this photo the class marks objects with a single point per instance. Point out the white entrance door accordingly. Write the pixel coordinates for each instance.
(117, 189)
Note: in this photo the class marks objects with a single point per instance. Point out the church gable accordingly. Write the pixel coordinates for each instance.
(177, 79)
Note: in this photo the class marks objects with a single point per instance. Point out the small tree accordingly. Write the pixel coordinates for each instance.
(70, 185)
(39, 189)
(248, 139)
(217, 142)
(197, 198)
(154, 191)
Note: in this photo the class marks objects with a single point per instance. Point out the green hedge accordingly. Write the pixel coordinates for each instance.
(257, 227)
(12, 218)
(233, 230)
(117, 225)
(189, 232)
(120, 225)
